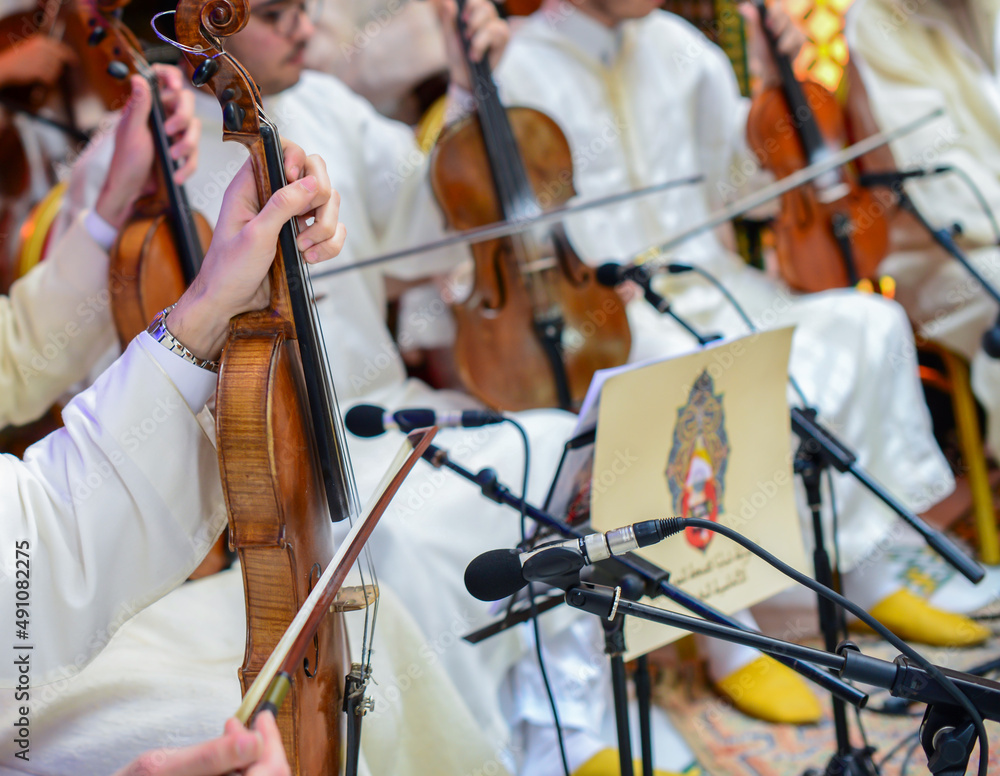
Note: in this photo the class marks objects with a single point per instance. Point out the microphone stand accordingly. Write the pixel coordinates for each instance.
(840, 456)
(945, 238)
(819, 449)
(653, 581)
(662, 306)
(946, 732)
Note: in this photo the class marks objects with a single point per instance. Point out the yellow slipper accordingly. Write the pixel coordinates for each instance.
(913, 619)
(605, 763)
(768, 690)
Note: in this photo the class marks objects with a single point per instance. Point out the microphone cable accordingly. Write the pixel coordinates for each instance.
(980, 198)
(531, 595)
(676, 268)
(804, 579)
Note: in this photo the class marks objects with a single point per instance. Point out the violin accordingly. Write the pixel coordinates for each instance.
(831, 233)
(536, 325)
(282, 454)
(71, 105)
(160, 248)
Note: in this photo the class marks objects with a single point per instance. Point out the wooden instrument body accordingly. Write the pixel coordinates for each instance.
(279, 524)
(145, 273)
(498, 353)
(281, 454)
(160, 248)
(808, 255)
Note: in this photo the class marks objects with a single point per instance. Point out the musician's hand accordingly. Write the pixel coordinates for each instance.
(235, 750)
(790, 40)
(132, 171)
(256, 752)
(182, 126)
(324, 239)
(486, 31)
(36, 60)
(233, 277)
(272, 761)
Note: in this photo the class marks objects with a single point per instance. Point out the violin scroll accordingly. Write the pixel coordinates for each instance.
(201, 28)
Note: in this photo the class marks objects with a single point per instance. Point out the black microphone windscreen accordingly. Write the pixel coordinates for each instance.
(609, 274)
(365, 420)
(991, 340)
(494, 575)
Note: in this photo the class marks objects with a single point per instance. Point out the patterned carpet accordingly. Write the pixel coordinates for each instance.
(726, 743)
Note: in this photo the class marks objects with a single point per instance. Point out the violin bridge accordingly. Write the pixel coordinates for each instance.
(355, 597)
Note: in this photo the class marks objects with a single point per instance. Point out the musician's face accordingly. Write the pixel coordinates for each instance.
(272, 45)
(611, 12)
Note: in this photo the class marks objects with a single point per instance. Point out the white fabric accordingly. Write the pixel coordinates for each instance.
(913, 60)
(102, 233)
(117, 508)
(194, 384)
(668, 106)
(53, 326)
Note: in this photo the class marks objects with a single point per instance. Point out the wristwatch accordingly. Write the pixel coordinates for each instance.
(158, 330)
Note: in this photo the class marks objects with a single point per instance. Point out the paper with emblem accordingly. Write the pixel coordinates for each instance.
(702, 435)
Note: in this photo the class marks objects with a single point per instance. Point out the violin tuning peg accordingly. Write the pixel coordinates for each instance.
(118, 70)
(96, 36)
(232, 116)
(204, 72)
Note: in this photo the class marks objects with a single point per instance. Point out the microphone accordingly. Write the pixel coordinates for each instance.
(891, 178)
(501, 573)
(612, 274)
(367, 420)
(991, 339)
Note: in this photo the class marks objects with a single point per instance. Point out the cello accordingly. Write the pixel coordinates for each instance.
(282, 455)
(833, 232)
(536, 325)
(160, 248)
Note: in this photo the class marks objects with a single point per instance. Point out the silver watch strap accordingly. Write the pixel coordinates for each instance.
(159, 332)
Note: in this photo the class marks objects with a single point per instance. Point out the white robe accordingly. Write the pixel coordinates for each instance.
(107, 473)
(654, 100)
(437, 524)
(913, 60)
(54, 325)
(115, 509)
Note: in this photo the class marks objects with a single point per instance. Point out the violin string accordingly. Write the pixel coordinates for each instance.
(181, 46)
(367, 642)
(371, 608)
(512, 189)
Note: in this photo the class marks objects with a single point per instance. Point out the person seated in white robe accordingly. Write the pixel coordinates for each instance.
(105, 515)
(912, 60)
(644, 97)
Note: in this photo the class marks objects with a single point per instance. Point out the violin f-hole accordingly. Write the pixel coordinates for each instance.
(314, 574)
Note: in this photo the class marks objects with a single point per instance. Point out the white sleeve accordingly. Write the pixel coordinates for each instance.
(115, 509)
(54, 326)
(906, 77)
(195, 384)
(731, 170)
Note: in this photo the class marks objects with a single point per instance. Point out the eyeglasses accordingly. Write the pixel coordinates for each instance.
(283, 18)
